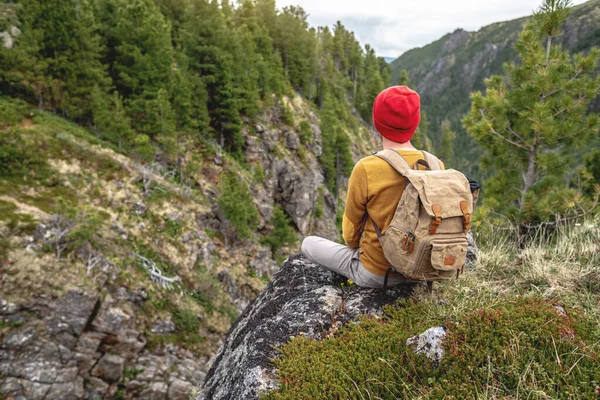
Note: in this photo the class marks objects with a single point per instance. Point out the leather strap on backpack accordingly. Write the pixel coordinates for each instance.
(464, 207)
(437, 220)
(433, 161)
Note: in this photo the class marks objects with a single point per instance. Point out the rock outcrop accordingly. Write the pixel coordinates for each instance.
(79, 346)
(302, 299)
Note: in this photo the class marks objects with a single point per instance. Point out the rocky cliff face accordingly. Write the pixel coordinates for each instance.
(139, 309)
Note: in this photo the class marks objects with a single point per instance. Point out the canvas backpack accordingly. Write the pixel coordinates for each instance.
(427, 238)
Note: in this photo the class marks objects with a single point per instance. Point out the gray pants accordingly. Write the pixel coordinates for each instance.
(345, 261)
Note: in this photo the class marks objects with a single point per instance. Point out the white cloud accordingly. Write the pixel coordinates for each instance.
(394, 26)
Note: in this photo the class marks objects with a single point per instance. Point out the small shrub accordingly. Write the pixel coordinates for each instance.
(172, 228)
(282, 233)
(19, 158)
(186, 320)
(235, 202)
(87, 224)
(303, 155)
(259, 174)
(305, 133)
(287, 116)
(12, 112)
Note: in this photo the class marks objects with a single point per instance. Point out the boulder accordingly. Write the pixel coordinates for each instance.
(293, 141)
(472, 250)
(179, 390)
(302, 299)
(162, 327)
(429, 343)
(109, 368)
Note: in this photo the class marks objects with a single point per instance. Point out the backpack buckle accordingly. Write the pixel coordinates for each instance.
(437, 220)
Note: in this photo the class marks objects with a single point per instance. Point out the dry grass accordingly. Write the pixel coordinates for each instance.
(563, 265)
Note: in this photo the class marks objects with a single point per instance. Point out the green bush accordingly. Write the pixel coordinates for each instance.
(12, 112)
(235, 202)
(287, 116)
(305, 132)
(172, 228)
(521, 346)
(186, 320)
(283, 233)
(259, 174)
(18, 158)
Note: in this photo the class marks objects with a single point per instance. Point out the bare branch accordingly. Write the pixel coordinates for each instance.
(92, 260)
(156, 274)
(510, 129)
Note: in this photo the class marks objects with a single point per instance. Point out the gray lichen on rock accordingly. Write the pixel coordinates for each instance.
(302, 299)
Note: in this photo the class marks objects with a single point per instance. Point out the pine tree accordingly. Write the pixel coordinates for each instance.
(421, 138)
(109, 118)
(403, 79)
(144, 57)
(530, 121)
(336, 158)
(60, 53)
(283, 232)
(372, 83)
(235, 202)
(446, 150)
(295, 42)
(205, 42)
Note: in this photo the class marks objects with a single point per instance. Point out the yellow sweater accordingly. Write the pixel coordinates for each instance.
(374, 187)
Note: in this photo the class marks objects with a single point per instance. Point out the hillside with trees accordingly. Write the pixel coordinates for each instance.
(448, 70)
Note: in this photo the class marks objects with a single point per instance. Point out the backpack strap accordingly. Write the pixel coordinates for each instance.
(433, 161)
(395, 160)
(399, 163)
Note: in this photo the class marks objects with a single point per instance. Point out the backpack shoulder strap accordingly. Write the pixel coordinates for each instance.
(433, 161)
(395, 160)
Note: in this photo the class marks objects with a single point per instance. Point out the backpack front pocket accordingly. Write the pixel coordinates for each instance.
(448, 256)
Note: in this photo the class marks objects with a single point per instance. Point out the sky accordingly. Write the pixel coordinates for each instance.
(392, 27)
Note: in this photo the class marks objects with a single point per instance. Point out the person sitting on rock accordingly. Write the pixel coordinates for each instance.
(375, 185)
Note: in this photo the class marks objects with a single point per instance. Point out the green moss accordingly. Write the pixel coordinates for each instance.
(16, 222)
(172, 228)
(13, 325)
(521, 346)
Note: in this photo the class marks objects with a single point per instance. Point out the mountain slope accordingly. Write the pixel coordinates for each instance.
(446, 71)
(119, 281)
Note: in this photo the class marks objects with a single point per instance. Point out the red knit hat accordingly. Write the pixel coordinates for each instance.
(397, 113)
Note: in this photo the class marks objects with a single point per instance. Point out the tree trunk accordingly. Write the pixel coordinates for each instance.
(528, 177)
